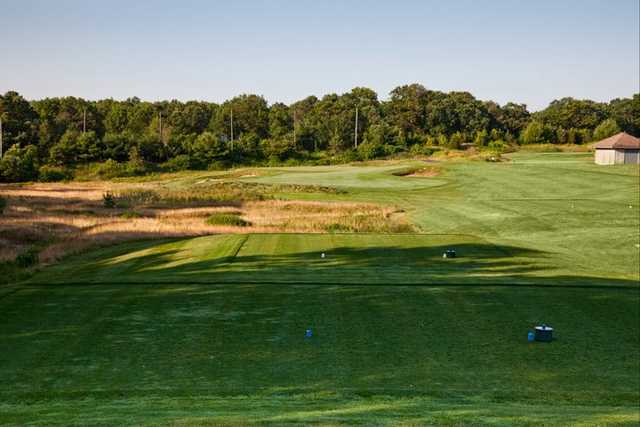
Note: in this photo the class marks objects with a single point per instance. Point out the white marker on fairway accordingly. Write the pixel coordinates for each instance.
(322, 255)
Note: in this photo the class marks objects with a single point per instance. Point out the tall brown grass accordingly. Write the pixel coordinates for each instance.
(62, 219)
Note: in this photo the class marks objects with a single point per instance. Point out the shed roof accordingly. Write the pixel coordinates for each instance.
(620, 140)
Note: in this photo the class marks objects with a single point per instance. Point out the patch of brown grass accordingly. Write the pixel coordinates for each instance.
(68, 218)
(316, 217)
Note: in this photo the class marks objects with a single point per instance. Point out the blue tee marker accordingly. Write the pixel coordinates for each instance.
(531, 336)
(308, 333)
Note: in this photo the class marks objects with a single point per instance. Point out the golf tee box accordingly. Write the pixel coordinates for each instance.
(449, 253)
(544, 333)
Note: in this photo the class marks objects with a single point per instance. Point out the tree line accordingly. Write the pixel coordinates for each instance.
(50, 138)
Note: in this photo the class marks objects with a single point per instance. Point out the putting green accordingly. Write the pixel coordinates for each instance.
(359, 177)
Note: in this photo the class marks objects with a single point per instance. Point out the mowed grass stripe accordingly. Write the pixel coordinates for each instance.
(296, 258)
(322, 410)
(364, 259)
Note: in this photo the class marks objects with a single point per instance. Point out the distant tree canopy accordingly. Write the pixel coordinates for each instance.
(47, 137)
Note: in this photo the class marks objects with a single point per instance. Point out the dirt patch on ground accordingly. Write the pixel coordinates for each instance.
(425, 172)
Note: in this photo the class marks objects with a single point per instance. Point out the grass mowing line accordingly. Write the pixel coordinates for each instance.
(461, 395)
(235, 253)
(379, 412)
(40, 286)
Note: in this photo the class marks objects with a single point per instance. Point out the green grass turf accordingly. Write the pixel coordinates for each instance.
(210, 331)
(150, 354)
(540, 218)
(585, 218)
(365, 259)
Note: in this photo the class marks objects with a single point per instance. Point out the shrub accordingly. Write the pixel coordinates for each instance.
(293, 162)
(19, 164)
(497, 147)
(219, 165)
(338, 228)
(109, 169)
(48, 173)
(178, 163)
(347, 156)
(27, 258)
(3, 204)
(227, 218)
(371, 150)
(109, 200)
(136, 197)
(421, 150)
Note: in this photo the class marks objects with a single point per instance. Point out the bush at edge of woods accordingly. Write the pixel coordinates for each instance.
(48, 173)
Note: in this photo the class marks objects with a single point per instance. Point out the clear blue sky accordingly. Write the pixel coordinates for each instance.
(505, 50)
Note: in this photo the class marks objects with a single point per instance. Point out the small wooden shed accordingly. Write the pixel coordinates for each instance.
(618, 149)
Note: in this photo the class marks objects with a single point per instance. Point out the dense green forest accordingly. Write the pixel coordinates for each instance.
(53, 138)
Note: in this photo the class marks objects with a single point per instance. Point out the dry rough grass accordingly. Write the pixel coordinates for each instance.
(313, 217)
(556, 148)
(425, 172)
(62, 219)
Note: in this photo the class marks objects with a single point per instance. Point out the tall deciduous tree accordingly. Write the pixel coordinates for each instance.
(19, 120)
(19, 164)
(536, 133)
(626, 113)
(606, 129)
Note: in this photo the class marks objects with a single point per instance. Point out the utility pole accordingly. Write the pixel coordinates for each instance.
(84, 121)
(231, 129)
(0, 137)
(355, 138)
(294, 128)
